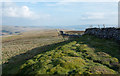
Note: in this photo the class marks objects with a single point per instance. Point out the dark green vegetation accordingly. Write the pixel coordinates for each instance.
(86, 55)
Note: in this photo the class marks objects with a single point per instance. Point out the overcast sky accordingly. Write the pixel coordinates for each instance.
(59, 13)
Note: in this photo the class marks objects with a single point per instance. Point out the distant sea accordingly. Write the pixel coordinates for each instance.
(64, 27)
(79, 27)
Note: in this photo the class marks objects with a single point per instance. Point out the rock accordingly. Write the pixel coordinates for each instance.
(108, 33)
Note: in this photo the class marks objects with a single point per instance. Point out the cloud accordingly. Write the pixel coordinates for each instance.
(11, 10)
(98, 15)
(100, 18)
(59, 0)
(91, 15)
(23, 11)
(89, 0)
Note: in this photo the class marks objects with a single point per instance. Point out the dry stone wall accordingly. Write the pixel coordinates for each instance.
(109, 33)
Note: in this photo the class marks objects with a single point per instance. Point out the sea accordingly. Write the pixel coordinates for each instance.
(80, 27)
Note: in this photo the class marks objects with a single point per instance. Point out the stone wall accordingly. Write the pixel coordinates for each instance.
(109, 33)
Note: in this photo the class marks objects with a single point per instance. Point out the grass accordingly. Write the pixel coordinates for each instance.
(17, 44)
(76, 57)
(17, 49)
(102, 45)
(47, 54)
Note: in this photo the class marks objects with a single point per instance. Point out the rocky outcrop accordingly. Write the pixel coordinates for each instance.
(109, 33)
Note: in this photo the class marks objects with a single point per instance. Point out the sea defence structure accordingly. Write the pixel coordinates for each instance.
(108, 33)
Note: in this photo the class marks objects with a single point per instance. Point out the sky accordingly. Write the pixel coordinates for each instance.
(59, 13)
